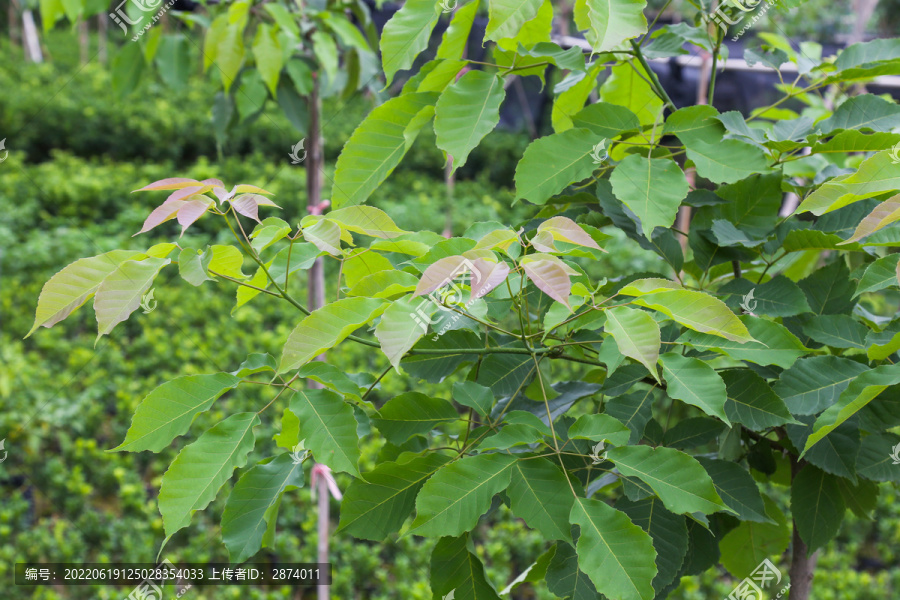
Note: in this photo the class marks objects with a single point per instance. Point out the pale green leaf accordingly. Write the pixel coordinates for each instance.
(467, 111)
(366, 220)
(693, 381)
(269, 56)
(120, 292)
(598, 428)
(652, 188)
(698, 311)
(772, 343)
(402, 325)
(554, 161)
(613, 21)
(407, 34)
(328, 428)
(745, 547)
(506, 17)
(636, 334)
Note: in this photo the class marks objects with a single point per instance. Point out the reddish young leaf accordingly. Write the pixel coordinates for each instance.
(213, 182)
(567, 230)
(442, 273)
(489, 275)
(161, 214)
(172, 183)
(550, 275)
(185, 193)
(248, 205)
(192, 210)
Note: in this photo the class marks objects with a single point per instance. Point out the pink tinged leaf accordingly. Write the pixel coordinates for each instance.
(442, 273)
(185, 193)
(881, 216)
(173, 183)
(222, 194)
(543, 242)
(213, 182)
(551, 278)
(248, 205)
(567, 230)
(489, 276)
(192, 210)
(161, 214)
(249, 189)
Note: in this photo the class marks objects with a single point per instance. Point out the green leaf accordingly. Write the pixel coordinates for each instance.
(467, 111)
(634, 410)
(74, 285)
(853, 140)
(406, 35)
(269, 56)
(571, 100)
(606, 120)
(457, 573)
(453, 499)
(565, 579)
(247, 512)
(778, 297)
(838, 331)
(678, 479)
(636, 334)
(652, 188)
(745, 547)
(876, 174)
(819, 495)
(628, 86)
(435, 367)
(835, 454)
(200, 469)
(698, 311)
(693, 381)
(400, 329)
(120, 292)
(598, 428)
(326, 327)
(727, 161)
(879, 275)
(455, 38)
(506, 17)
(379, 143)
(668, 531)
(227, 260)
(813, 384)
(693, 432)
(193, 265)
(861, 498)
(377, 505)
(752, 402)
(539, 494)
(862, 390)
(615, 553)
(695, 125)
(876, 457)
(386, 284)
(413, 413)
(773, 344)
(554, 161)
(473, 395)
(863, 112)
(829, 290)
(737, 488)
(611, 21)
(886, 213)
(366, 220)
(167, 412)
(230, 53)
(331, 377)
(328, 428)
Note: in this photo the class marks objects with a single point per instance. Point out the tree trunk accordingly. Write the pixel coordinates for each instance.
(30, 38)
(314, 167)
(802, 566)
(102, 37)
(324, 530)
(84, 42)
(12, 13)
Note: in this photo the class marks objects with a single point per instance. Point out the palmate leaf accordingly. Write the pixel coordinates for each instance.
(325, 327)
(251, 504)
(693, 381)
(120, 292)
(453, 499)
(406, 35)
(457, 573)
(74, 285)
(678, 479)
(818, 496)
(652, 188)
(862, 390)
(615, 553)
(636, 334)
(377, 505)
(467, 111)
(413, 413)
(554, 161)
(200, 469)
(378, 145)
(539, 494)
(167, 412)
(328, 428)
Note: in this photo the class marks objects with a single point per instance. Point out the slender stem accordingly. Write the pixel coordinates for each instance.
(712, 73)
(239, 282)
(287, 386)
(374, 383)
(657, 86)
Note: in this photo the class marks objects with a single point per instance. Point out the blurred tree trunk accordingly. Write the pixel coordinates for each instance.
(30, 38)
(12, 17)
(84, 41)
(102, 35)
